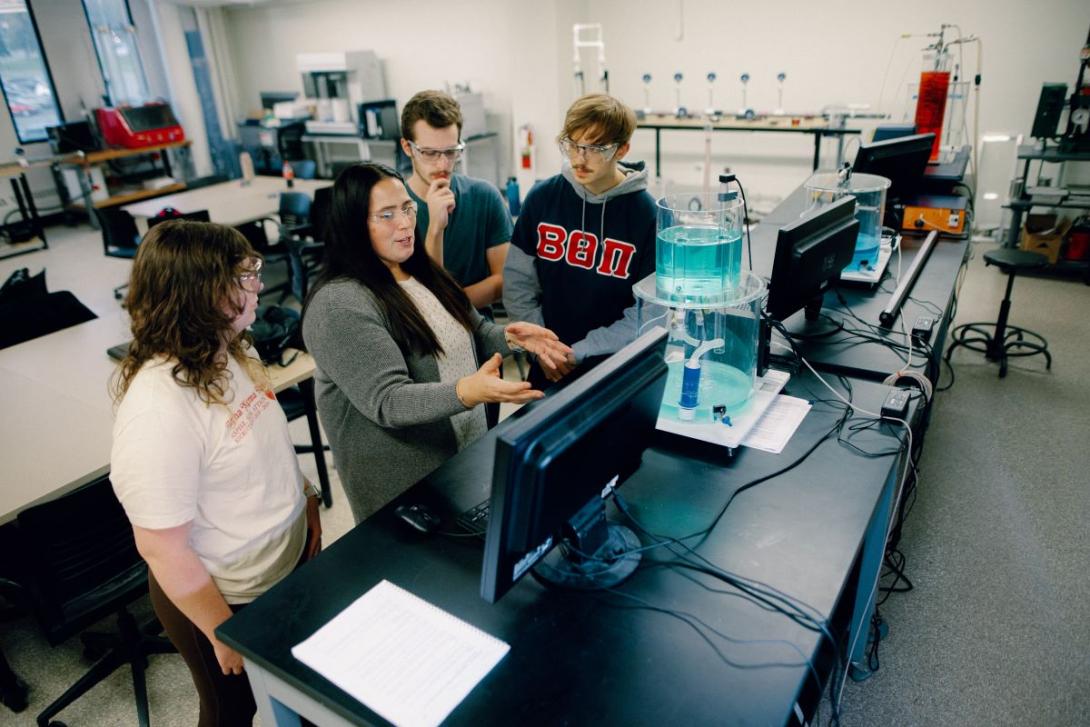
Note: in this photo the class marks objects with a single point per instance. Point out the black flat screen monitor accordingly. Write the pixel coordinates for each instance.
(556, 463)
(810, 253)
(271, 98)
(902, 161)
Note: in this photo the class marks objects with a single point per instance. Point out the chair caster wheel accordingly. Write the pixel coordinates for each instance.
(57, 724)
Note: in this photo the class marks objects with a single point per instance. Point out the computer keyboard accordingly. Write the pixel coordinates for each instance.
(475, 519)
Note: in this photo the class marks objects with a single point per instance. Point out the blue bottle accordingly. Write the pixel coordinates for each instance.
(512, 191)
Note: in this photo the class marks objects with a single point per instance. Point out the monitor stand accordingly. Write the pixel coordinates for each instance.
(613, 550)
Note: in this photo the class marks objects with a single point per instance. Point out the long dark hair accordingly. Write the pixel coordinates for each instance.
(350, 256)
(183, 275)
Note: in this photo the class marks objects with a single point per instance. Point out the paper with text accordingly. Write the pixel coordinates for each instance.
(775, 428)
(409, 661)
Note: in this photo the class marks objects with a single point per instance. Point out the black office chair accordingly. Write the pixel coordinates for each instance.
(303, 168)
(81, 566)
(24, 319)
(999, 341)
(120, 237)
(169, 213)
(297, 244)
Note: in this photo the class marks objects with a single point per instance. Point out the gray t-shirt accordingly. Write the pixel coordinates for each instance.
(480, 221)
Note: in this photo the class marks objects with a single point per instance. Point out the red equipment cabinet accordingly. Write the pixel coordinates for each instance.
(136, 127)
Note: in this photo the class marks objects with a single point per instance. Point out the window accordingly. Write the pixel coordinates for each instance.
(28, 87)
(118, 54)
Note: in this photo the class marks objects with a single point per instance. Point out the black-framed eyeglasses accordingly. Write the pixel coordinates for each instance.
(603, 152)
(451, 154)
(389, 216)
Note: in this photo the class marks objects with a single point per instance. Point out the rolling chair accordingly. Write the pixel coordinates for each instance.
(304, 168)
(999, 341)
(120, 237)
(169, 213)
(293, 246)
(81, 566)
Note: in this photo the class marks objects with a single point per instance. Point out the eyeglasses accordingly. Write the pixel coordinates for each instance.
(389, 216)
(603, 152)
(250, 280)
(451, 154)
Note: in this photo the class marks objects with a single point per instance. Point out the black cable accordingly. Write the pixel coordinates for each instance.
(727, 179)
(745, 221)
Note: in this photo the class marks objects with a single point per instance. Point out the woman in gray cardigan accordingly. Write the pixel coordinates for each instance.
(398, 346)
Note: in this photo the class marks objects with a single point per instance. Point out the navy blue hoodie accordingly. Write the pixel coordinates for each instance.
(575, 256)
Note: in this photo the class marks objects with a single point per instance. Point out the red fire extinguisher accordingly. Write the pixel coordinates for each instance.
(526, 147)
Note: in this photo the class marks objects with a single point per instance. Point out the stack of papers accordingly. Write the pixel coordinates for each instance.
(776, 426)
(407, 660)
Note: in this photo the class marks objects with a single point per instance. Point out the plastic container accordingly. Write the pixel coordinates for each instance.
(698, 248)
(711, 350)
(869, 190)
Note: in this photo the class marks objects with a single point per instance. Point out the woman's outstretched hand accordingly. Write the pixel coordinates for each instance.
(543, 343)
(487, 386)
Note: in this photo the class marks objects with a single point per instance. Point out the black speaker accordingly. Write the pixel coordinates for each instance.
(72, 136)
(1049, 109)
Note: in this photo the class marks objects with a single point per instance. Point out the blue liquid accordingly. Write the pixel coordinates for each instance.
(720, 384)
(866, 252)
(870, 237)
(696, 263)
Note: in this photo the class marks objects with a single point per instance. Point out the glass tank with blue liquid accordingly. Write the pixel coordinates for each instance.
(869, 190)
(698, 248)
(710, 306)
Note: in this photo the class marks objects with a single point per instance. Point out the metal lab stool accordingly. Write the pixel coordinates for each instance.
(998, 341)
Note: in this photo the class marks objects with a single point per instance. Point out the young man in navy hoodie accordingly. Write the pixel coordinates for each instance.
(584, 238)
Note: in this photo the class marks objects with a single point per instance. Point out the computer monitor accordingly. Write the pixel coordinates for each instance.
(902, 161)
(269, 99)
(810, 253)
(556, 463)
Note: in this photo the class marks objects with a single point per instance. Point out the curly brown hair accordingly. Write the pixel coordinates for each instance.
(183, 296)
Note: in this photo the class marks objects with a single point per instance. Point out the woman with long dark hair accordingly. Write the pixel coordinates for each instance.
(202, 460)
(399, 347)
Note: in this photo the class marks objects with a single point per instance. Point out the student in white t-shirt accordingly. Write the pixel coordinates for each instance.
(202, 461)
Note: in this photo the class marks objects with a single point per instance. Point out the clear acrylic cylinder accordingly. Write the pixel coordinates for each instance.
(869, 190)
(698, 247)
(711, 349)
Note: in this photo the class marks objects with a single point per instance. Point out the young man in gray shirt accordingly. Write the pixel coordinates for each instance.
(463, 222)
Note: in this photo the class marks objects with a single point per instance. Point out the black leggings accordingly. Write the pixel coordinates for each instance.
(226, 700)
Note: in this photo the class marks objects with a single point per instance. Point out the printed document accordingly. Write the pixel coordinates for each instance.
(775, 428)
(409, 661)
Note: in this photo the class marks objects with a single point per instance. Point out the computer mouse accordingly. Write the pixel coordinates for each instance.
(418, 517)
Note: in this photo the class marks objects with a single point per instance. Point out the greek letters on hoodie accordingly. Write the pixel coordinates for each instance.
(575, 257)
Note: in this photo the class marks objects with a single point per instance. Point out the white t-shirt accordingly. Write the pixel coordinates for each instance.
(229, 469)
(458, 359)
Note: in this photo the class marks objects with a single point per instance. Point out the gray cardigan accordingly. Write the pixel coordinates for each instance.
(385, 412)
